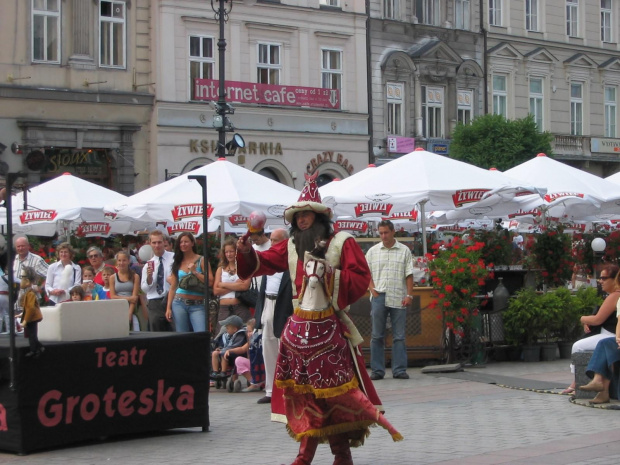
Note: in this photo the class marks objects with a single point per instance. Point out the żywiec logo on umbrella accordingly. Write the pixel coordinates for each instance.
(350, 225)
(188, 210)
(110, 215)
(37, 215)
(535, 212)
(237, 220)
(184, 226)
(373, 208)
(463, 197)
(560, 195)
(93, 229)
(411, 215)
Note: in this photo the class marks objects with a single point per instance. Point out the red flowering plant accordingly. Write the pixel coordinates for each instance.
(553, 255)
(457, 273)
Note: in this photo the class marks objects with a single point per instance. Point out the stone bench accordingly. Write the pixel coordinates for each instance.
(580, 360)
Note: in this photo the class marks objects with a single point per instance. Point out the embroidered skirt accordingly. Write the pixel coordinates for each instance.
(317, 374)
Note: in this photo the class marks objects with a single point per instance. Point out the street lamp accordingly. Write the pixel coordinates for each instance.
(598, 245)
(221, 123)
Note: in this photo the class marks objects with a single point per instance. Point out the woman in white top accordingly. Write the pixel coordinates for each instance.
(227, 283)
(59, 281)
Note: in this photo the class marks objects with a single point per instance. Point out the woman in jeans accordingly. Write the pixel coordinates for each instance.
(187, 307)
(227, 283)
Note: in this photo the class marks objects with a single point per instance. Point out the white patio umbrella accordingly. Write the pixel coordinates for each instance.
(68, 204)
(431, 181)
(572, 194)
(231, 190)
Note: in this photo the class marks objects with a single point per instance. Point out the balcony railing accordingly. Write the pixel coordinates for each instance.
(572, 145)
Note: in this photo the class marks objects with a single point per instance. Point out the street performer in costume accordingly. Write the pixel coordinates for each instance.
(321, 385)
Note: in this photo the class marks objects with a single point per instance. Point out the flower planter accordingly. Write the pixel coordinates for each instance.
(565, 349)
(548, 352)
(531, 353)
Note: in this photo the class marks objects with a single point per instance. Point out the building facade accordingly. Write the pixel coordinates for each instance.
(72, 97)
(426, 65)
(435, 63)
(560, 61)
(295, 73)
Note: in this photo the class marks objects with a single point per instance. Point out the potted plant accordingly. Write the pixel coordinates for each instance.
(457, 273)
(522, 323)
(552, 254)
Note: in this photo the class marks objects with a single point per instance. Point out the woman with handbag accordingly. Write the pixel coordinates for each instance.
(227, 284)
(186, 299)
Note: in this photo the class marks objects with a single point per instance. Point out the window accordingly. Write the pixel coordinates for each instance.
(112, 34)
(432, 106)
(427, 12)
(611, 105)
(500, 96)
(201, 62)
(462, 10)
(495, 12)
(465, 109)
(46, 31)
(391, 9)
(268, 64)
(330, 2)
(572, 18)
(536, 101)
(395, 94)
(606, 35)
(331, 69)
(576, 109)
(531, 15)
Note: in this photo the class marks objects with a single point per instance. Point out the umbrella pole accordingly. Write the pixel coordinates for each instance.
(202, 180)
(423, 223)
(222, 232)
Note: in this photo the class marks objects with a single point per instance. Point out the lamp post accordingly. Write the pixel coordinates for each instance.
(220, 120)
(598, 248)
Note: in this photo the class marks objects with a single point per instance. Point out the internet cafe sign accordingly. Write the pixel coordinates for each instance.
(269, 94)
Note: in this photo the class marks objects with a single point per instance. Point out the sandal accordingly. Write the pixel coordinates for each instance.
(568, 391)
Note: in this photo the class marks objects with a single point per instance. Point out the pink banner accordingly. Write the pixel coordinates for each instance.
(268, 94)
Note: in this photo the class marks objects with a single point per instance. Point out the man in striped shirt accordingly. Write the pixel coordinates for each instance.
(391, 289)
(24, 257)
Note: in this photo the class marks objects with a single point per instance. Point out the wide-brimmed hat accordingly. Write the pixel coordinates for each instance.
(309, 200)
(232, 320)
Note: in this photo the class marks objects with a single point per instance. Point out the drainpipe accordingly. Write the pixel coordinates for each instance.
(371, 155)
(485, 67)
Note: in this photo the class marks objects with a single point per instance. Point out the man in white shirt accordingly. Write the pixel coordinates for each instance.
(24, 257)
(391, 289)
(273, 307)
(154, 282)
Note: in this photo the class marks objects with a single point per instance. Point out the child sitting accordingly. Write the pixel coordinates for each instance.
(92, 290)
(234, 337)
(77, 293)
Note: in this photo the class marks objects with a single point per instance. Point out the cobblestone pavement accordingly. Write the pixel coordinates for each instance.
(445, 421)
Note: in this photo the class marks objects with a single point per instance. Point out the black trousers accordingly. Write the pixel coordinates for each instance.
(157, 315)
(32, 329)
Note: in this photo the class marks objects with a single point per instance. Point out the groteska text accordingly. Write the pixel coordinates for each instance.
(54, 408)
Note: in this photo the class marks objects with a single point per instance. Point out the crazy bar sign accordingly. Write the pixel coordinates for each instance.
(180, 212)
(37, 215)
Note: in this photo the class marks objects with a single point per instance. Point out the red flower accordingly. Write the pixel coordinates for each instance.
(449, 287)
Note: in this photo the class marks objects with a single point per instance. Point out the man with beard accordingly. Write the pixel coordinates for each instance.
(319, 390)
